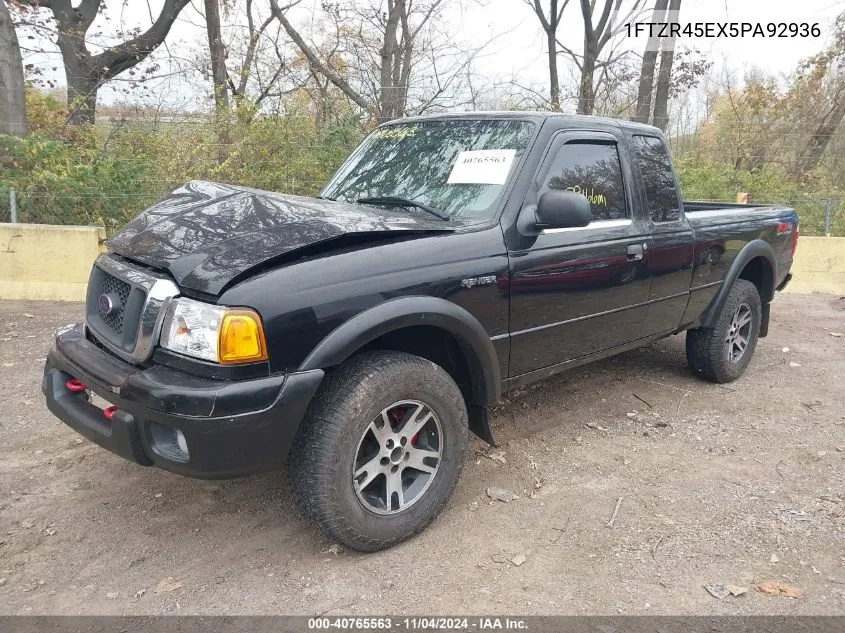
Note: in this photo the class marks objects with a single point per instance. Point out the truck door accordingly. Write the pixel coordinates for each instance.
(670, 260)
(578, 291)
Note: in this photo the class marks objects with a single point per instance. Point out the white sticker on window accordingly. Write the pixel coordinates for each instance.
(482, 167)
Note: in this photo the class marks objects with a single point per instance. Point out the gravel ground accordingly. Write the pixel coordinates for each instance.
(732, 485)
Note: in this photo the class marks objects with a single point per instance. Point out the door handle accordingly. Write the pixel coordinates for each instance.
(636, 252)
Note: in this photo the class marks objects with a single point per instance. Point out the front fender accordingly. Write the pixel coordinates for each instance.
(403, 312)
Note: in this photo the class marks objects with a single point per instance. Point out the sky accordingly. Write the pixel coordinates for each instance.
(515, 46)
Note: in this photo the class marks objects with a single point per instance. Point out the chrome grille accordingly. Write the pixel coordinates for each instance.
(130, 331)
(113, 285)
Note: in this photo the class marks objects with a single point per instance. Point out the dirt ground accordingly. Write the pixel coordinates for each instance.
(730, 485)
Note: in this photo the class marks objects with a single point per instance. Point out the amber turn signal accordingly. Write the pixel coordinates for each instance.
(241, 338)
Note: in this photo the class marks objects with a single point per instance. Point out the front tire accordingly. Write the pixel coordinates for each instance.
(380, 450)
(721, 354)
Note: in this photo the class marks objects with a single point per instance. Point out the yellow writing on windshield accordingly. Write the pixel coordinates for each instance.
(590, 194)
(394, 132)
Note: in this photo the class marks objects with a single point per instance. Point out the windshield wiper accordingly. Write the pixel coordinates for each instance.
(396, 201)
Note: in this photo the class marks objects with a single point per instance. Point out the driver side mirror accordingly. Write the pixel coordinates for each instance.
(562, 210)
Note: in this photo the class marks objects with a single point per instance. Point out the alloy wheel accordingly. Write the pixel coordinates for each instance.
(739, 333)
(397, 457)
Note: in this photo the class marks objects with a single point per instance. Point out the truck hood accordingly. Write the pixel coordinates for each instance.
(207, 234)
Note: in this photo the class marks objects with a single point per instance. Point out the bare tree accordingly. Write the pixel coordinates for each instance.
(550, 25)
(86, 73)
(322, 67)
(646, 87)
(389, 57)
(597, 35)
(822, 77)
(664, 75)
(12, 103)
(260, 39)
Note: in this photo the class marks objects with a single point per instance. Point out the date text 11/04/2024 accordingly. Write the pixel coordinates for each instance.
(419, 624)
(723, 29)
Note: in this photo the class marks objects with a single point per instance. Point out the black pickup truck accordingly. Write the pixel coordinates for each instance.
(362, 334)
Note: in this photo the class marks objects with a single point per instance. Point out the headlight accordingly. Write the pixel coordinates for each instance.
(214, 333)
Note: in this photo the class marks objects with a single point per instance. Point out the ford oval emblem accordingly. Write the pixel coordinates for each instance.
(107, 305)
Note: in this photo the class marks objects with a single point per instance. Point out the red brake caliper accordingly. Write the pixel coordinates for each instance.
(397, 415)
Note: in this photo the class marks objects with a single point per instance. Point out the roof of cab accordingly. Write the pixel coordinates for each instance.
(537, 117)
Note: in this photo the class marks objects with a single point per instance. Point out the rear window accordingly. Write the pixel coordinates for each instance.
(591, 169)
(661, 191)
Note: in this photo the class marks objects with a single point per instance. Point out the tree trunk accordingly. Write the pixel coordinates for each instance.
(12, 102)
(81, 95)
(554, 84)
(646, 86)
(218, 78)
(664, 75)
(586, 96)
(389, 91)
(218, 54)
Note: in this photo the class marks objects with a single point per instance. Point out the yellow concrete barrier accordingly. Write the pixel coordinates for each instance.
(43, 261)
(819, 266)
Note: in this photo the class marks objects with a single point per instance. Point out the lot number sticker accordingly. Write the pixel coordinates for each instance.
(482, 167)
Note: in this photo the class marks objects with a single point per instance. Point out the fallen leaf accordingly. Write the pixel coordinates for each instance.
(167, 585)
(501, 494)
(719, 591)
(777, 588)
(519, 559)
(497, 457)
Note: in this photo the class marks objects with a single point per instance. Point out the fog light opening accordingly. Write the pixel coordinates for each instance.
(169, 442)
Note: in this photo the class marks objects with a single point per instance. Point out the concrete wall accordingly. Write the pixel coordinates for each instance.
(819, 266)
(42, 261)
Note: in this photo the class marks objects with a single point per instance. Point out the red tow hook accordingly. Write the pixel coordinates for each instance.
(109, 412)
(75, 385)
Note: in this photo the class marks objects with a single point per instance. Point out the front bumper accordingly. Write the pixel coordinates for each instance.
(231, 428)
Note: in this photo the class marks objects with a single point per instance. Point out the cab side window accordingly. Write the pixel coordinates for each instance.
(591, 169)
(661, 191)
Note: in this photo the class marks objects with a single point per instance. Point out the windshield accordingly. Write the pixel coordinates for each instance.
(458, 167)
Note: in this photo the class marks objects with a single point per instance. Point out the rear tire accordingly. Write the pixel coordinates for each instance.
(380, 450)
(721, 354)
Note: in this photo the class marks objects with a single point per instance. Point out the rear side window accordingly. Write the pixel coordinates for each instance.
(660, 189)
(591, 169)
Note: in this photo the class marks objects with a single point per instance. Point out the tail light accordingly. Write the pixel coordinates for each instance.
(795, 239)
